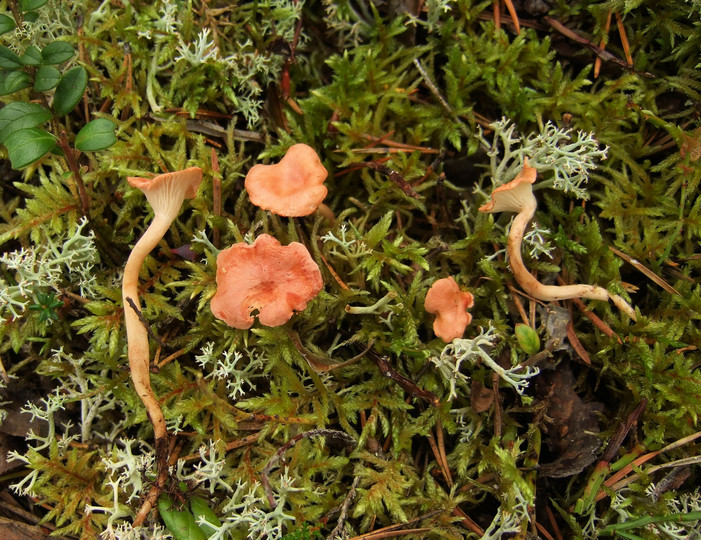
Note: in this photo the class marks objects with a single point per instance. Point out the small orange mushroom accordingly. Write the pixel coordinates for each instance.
(292, 187)
(449, 304)
(165, 193)
(265, 276)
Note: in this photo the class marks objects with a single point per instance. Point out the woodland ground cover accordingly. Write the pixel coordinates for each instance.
(545, 419)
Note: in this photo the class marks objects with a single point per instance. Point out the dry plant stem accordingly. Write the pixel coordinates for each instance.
(216, 194)
(137, 335)
(551, 292)
(75, 171)
(602, 44)
(16, 13)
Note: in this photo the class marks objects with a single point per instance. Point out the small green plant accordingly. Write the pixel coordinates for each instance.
(31, 67)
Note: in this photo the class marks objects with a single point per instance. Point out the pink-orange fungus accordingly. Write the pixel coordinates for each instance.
(515, 195)
(266, 277)
(449, 304)
(292, 187)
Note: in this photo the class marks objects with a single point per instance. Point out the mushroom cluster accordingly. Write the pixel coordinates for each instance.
(264, 277)
(517, 196)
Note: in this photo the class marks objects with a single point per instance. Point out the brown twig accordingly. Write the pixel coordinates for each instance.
(339, 530)
(576, 344)
(407, 385)
(624, 39)
(593, 317)
(333, 273)
(614, 479)
(395, 177)
(640, 267)
(604, 55)
(602, 43)
(512, 13)
(497, 406)
(553, 522)
(75, 171)
(439, 459)
(468, 522)
(396, 528)
(238, 443)
(622, 431)
(216, 194)
(162, 363)
(143, 321)
(542, 530)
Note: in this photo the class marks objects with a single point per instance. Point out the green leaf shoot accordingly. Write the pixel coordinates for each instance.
(7, 24)
(181, 523)
(96, 135)
(57, 52)
(9, 59)
(46, 78)
(30, 5)
(31, 56)
(19, 115)
(69, 90)
(28, 145)
(13, 81)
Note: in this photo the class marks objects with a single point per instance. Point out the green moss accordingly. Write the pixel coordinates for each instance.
(416, 117)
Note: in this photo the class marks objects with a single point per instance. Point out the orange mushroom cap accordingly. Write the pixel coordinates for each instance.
(276, 280)
(515, 195)
(292, 187)
(449, 303)
(166, 192)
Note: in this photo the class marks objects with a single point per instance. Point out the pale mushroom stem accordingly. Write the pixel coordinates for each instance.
(137, 336)
(550, 292)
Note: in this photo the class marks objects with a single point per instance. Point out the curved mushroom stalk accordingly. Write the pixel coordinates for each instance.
(165, 193)
(517, 196)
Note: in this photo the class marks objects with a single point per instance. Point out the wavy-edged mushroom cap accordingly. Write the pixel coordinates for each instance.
(515, 195)
(265, 276)
(449, 304)
(166, 192)
(292, 187)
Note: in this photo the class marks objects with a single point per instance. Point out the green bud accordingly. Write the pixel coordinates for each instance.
(527, 338)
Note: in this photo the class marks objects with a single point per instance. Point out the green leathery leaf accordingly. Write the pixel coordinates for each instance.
(57, 52)
(180, 523)
(199, 509)
(19, 115)
(7, 24)
(28, 145)
(9, 59)
(29, 5)
(96, 135)
(70, 89)
(13, 81)
(31, 56)
(46, 78)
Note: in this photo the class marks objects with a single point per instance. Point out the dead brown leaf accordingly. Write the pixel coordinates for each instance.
(571, 424)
